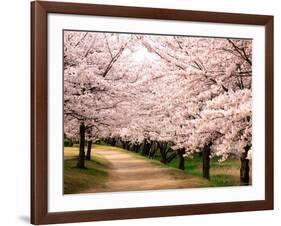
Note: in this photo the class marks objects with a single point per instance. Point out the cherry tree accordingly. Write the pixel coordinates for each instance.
(89, 59)
(211, 68)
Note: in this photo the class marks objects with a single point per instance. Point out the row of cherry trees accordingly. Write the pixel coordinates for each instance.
(171, 94)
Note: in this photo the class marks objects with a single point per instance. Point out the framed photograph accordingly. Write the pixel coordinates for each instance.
(146, 112)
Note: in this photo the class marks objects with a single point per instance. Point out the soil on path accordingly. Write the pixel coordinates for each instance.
(129, 172)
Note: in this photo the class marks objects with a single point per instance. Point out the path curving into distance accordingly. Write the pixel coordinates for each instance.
(131, 172)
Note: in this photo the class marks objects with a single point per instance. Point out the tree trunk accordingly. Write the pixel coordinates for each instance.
(123, 144)
(81, 158)
(180, 153)
(206, 161)
(163, 156)
(131, 147)
(89, 148)
(153, 149)
(127, 147)
(244, 170)
(112, 141)
(146, 148)
(137, 149)
(162, 148)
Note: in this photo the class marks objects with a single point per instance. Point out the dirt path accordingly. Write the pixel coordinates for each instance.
(130, 172)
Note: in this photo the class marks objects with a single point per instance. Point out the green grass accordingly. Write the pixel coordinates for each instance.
(78, 180)
(224, 173)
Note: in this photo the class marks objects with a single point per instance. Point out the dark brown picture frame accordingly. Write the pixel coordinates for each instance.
(39, 111)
